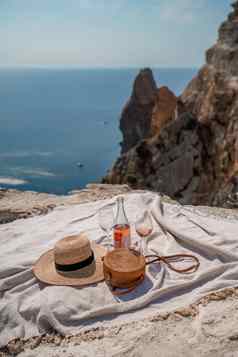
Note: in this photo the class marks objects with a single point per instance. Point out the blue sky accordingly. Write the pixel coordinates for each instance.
(109, 33)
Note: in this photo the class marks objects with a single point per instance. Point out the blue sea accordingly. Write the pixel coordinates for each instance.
(51, 120)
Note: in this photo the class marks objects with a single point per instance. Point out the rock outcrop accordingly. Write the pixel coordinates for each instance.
(135, 120)
(170, 163)
(213, 98)
(195, 157)
(165, 109)
(147, 110)
(15, 204)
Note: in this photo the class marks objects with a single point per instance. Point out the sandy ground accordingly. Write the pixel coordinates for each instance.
(208, 328)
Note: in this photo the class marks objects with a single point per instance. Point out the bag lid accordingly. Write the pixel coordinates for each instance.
(123, 260)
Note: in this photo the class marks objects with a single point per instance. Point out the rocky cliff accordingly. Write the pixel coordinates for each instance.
(136, 116)
(212, 97)
(191, 152)
(146, 110)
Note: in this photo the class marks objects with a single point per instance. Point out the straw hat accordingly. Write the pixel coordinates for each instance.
(74, 261)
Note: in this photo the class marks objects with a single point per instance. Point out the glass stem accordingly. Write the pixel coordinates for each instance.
(144, 246)
(108, 243)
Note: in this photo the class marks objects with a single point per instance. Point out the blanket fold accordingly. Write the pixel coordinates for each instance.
(28, 307)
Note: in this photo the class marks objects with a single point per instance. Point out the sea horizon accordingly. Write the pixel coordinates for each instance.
(75, 67)
(63, 124)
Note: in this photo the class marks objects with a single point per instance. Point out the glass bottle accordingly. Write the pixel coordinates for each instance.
(121, 228)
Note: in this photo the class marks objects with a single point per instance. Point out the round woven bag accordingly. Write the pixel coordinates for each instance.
(124, 269)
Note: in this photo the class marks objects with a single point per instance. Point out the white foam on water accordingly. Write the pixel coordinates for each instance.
(11, 181)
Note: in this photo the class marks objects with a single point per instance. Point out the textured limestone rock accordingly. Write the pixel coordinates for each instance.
(135, 122)
(147, 111)
(213, 98)
(199, 165)
(164, 109)
(170, 163)
(15, 204)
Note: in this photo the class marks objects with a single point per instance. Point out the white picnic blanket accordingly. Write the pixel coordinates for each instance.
(28, 307)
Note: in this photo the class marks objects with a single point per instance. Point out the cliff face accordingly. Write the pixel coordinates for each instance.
(171, 162)
(147, 110)
(191, 152)
(213, 98)
(135, 120)
(164, 110)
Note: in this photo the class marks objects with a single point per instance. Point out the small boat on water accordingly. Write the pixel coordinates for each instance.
(79, 164)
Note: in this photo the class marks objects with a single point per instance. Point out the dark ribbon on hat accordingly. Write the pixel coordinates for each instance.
(75, 266)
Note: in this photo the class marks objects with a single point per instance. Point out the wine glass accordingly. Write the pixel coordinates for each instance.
(144, 227)
(106, 221)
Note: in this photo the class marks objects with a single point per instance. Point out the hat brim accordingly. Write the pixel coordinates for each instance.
(45, 271)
